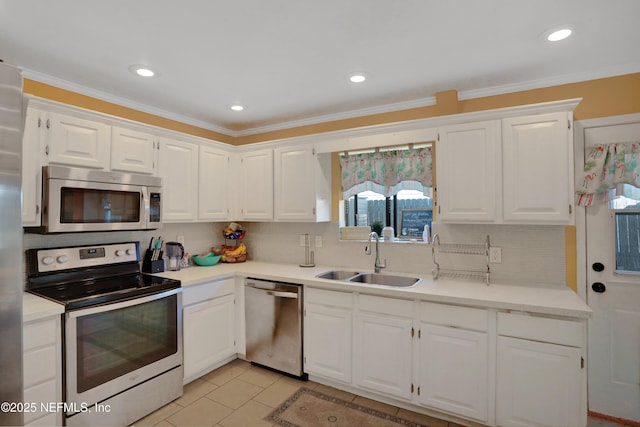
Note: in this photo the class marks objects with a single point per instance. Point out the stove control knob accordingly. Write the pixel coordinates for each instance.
(62, 259)
(48, 260)
(119, 252)
(130, 252)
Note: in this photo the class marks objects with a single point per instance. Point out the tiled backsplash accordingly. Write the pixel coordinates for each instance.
(530, 254)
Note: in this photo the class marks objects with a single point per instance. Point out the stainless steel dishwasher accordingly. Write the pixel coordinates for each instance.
(273, 315)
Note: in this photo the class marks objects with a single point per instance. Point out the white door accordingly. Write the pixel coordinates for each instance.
(213, 192)
(179, 172)
(256, 181)
(383, 351)
(132, 151)
(453, 373)
(327, 335)
(468, 190)
(526, 373)
(527, 143)
(294, 183)
(78, 142)
(614, 297)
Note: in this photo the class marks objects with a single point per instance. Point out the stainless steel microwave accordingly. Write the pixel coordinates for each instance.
(81, 200)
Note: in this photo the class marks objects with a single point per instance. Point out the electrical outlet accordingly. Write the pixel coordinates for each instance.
(318, 241)
(495, 255)
(302, 240)
(180, 239)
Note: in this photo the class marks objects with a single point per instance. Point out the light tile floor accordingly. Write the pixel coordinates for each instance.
(239, 394)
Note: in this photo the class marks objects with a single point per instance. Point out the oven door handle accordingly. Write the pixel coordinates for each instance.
(122, 304)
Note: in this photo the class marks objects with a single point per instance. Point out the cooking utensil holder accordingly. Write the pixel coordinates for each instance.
(152, 266)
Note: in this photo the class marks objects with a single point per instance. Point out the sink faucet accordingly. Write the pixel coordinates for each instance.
(367, 250)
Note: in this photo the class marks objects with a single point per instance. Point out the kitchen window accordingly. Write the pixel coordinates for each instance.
(382, 187)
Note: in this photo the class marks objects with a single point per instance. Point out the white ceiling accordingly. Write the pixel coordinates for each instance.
(288, 61)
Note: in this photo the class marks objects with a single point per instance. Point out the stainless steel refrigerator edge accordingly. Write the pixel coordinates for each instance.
(11, 278)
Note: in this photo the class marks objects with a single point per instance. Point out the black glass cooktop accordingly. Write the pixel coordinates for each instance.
(99, 291)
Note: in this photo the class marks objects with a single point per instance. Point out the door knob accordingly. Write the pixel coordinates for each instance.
(598, 266)
(598, 287)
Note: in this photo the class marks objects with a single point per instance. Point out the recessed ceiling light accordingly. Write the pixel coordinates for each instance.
(357, 78)
(560, 34)
(237, 107)
(143, 71)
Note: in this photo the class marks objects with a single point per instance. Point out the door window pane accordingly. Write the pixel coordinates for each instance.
(627, 234)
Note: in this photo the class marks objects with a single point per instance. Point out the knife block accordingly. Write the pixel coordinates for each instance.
(149, 266)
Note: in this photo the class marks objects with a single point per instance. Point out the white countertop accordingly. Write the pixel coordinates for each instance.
(552, 301)
(36, 308)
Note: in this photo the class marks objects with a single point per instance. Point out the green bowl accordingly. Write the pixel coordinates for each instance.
(206, 261)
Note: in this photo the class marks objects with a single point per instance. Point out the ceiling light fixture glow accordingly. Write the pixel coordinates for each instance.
(237, 107)
(357, 78)
(143, 71)
(560, 34)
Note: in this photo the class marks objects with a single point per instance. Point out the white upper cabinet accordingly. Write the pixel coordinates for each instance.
(256, 185)
(133, 151)
(179, 171)
(302, 184)
(75, 141)
(468, 172)
(537, 165)
(214, 184)
(31, 168)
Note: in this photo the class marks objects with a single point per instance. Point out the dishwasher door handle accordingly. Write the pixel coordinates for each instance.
(278, 294)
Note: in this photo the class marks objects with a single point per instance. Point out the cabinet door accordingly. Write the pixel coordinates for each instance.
(294, 184)
(209, 335)
(383, 354)
(179, 172)
(78, 142)
(132, 151)
(215, 183)
(328, 341)
(453, 370)
(42, 347)
(538, 384)
(468, 172)
(32, 168)
(256, 181)
(537, 166)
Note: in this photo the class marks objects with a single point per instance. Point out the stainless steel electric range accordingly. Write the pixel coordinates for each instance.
(122, 331)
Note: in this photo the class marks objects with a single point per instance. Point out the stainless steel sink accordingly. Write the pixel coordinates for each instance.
(338, 274)
(386, 280)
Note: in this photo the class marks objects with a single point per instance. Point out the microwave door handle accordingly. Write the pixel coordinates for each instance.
(145, 208)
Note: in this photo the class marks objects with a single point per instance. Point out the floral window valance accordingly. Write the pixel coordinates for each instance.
(610, 170)
(387, 172)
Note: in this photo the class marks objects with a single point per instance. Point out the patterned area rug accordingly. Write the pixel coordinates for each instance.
(308, 408)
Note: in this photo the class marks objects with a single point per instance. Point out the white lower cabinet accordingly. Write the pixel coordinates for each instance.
(383, 350)
(42, 357)
(498, 369)
(328, 326)
(209, 327)
(453, 366)
(540, 383)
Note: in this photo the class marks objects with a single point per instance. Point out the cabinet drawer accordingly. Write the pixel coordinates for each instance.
(556, 331)
(39, 365)
(206, 291)
(41, 393)
(383, 305)
(330, 298)
(39, 334)
(475, 319)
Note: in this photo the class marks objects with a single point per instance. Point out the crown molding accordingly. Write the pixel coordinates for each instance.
(124, 102)
(387, 108)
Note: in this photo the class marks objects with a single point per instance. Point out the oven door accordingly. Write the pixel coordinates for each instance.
(73, 206)
(111, 348)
